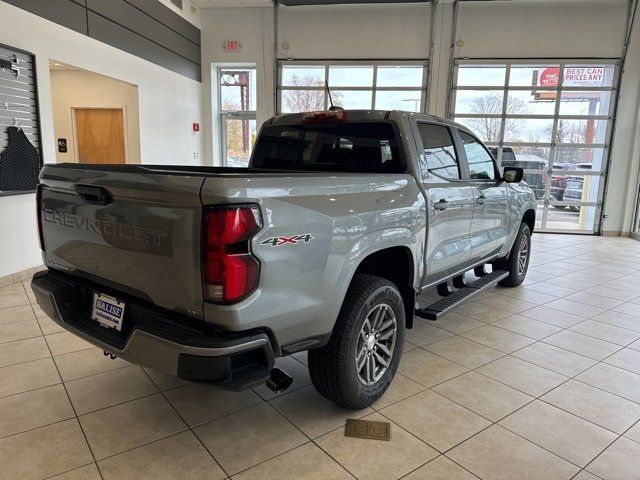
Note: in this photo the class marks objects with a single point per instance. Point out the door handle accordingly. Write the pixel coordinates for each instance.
(441, 205)
(481, 199)
(91, 194)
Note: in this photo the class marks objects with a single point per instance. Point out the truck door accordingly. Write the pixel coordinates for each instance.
(491, 216)
(450, 201)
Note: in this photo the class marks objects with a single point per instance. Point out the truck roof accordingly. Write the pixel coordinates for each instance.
(370, 115)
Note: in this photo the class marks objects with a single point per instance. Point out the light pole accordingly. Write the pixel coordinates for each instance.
(416, 103)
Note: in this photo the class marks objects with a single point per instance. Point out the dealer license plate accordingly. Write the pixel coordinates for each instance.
(107, 311)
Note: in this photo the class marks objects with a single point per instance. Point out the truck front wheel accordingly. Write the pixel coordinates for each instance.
(517, 264)
(358, 363)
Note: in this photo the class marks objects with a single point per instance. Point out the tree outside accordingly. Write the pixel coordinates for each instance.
(240, 137)
(491, 104)
(306, 100)
(570, 132)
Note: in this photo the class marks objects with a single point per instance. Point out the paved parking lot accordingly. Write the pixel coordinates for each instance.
(540, 382)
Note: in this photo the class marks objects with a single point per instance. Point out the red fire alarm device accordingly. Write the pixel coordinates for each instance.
(232, 46)
(196, 127)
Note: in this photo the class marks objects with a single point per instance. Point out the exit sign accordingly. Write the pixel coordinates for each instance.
(232, 45)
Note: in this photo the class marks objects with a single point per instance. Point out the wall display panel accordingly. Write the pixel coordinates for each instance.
(20, 152)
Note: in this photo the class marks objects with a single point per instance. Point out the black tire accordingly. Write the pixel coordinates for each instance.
(511, 263)
(333, 367)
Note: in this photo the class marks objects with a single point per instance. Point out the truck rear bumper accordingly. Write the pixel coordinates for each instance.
(154, 339)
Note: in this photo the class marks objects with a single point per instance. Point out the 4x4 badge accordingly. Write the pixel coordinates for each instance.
(280, 241)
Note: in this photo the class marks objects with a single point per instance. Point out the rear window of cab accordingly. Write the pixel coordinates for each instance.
(349, 147)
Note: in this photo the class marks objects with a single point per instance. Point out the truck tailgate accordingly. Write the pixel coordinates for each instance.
(138, 233)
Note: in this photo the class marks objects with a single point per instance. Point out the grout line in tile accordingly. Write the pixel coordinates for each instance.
(93, 374)
(534, 398)
(310, 440)
(537, 340)
(164, 437)
(185, 422)
(582, 354)
(571, 413)
(39, 426)
(22, 363)
(391, 421)
(18, 321)
(30, 389)
(435, 458)
(71, 404)
(71, 470)
(605, 449)
(583, 470)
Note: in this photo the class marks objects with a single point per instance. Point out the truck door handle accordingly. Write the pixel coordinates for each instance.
(481, 199)
(441, 205)
(91, 194)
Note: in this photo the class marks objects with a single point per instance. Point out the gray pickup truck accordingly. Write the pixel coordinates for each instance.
(322, 244)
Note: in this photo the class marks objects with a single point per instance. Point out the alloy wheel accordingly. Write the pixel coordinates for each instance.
(376, 344)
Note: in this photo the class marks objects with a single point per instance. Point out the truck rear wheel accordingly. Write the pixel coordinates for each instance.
(517, 263)
(358, 363)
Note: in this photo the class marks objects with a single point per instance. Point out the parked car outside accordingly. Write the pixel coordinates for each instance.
(575, 185)
(536, 181)
(559, 183)
(527, 161)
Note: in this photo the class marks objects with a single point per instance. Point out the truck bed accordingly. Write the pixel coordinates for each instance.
(145, 239)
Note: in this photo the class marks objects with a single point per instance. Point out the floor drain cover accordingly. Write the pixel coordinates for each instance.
(368, 429)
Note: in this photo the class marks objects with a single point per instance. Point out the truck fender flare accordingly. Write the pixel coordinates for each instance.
(374, 242)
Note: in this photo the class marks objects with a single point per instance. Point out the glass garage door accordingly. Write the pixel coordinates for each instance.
(554, 120)
(355, 85)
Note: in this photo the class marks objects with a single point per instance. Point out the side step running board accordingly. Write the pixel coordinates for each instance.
(442, 306)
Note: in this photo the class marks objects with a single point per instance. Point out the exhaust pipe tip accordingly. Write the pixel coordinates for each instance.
(279, 380)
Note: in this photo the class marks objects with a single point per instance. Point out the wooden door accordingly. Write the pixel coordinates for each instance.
(100, 135)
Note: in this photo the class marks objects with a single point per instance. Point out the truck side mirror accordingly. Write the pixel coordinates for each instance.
(513, 174)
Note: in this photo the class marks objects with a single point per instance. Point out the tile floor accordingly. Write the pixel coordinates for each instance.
(540, 382)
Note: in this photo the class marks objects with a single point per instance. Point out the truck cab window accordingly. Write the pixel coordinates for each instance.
(480, 162)
(352, 147)
(439, 152)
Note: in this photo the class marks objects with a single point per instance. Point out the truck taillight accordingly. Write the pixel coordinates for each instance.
(39, 215)
(337, 115)
(229, 270)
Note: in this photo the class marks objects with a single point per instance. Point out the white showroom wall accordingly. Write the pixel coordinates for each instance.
(169, 104)
(541, 29)
(624, 174)
(254, 28)
(355, 32)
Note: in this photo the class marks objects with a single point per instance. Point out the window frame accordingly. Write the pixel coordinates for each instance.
(403, 161)
(496, 171)
(428, 174)
(225, 115)
(374, 88)
(544, 204)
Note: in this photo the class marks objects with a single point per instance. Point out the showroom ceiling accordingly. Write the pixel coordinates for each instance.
(268, 3)
(232, 3)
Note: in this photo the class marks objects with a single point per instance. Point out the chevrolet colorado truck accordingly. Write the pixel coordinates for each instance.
(323, 243)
